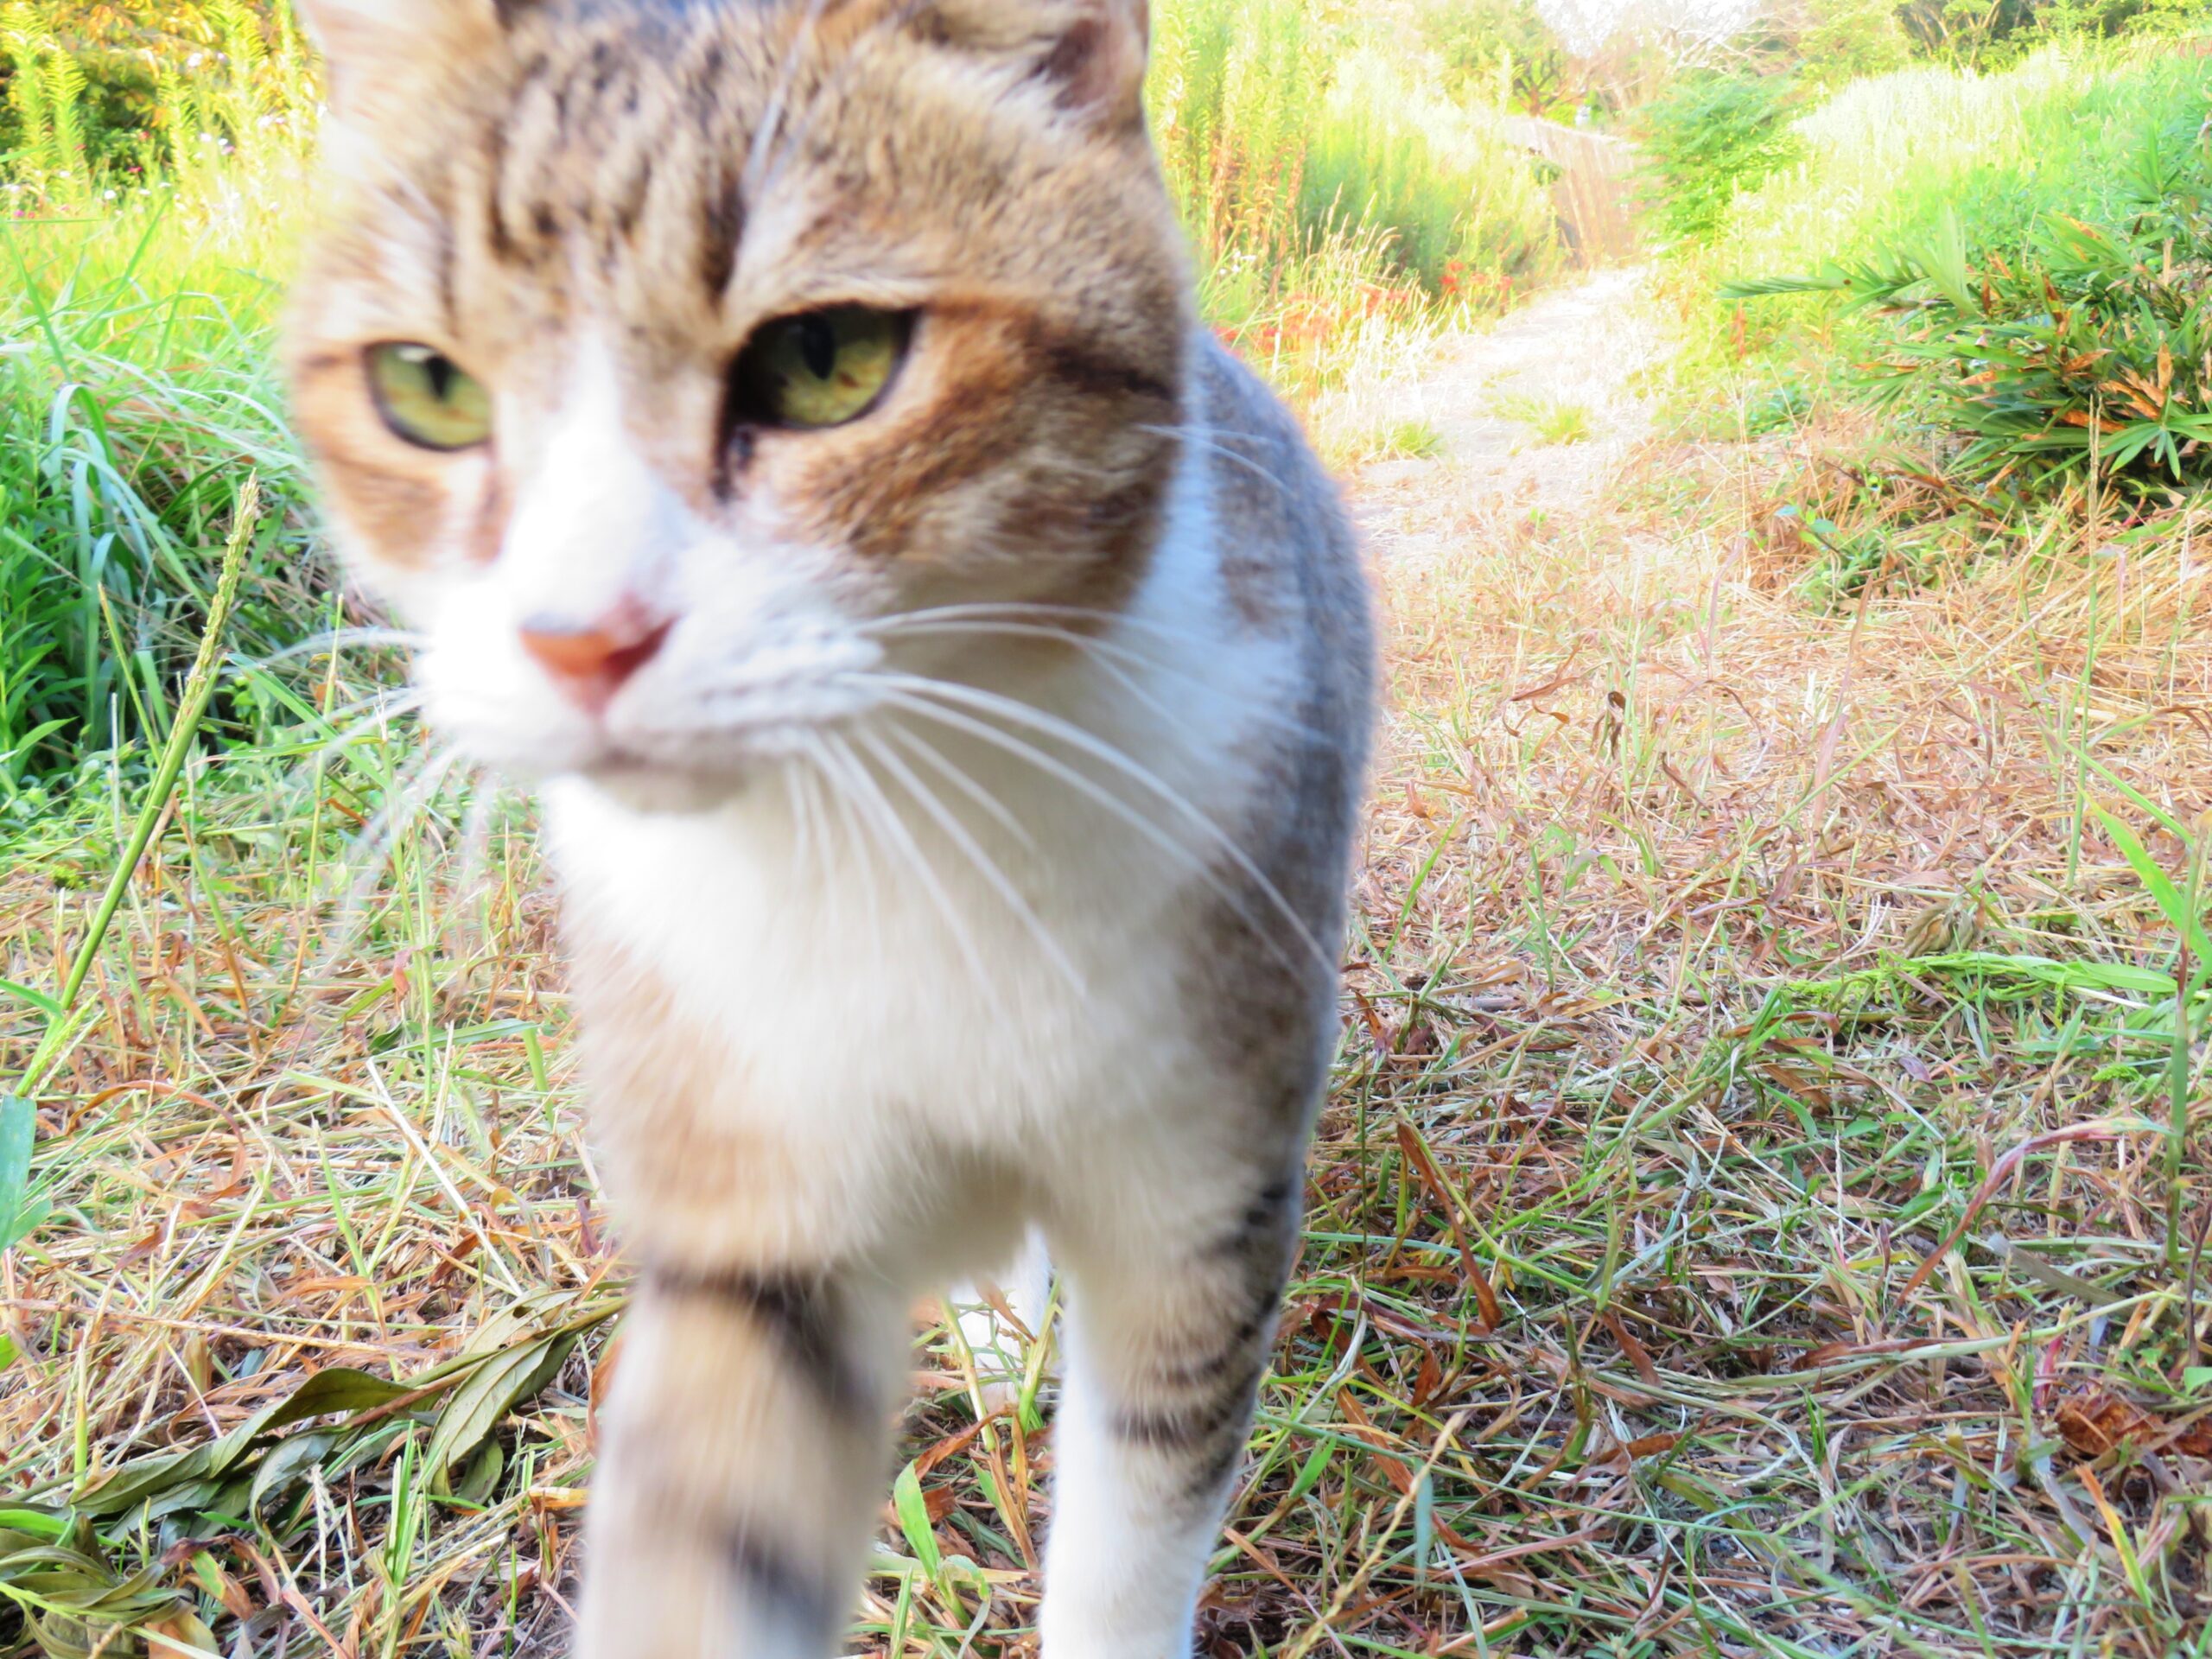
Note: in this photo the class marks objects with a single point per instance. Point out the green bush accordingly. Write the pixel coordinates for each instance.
(138, 391)
(1283, 133)
(2087, 352)
(93, 94)
(1711, 136)
(1992, 32)
(1499, 52)
(1996, 246)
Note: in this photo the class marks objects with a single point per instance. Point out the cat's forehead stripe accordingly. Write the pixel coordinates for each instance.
(676, 114)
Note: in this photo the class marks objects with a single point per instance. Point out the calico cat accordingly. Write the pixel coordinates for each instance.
(947, 676)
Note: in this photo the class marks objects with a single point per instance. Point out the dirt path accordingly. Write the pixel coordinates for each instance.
(1537, 413)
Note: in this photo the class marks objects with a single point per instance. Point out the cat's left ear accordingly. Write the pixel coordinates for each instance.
(371, 42)
(1091, 52)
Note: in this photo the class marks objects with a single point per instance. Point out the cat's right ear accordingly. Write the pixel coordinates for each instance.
(1091, 52)
(366, 43)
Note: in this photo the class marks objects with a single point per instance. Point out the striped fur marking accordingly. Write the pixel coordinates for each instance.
(805, 1314)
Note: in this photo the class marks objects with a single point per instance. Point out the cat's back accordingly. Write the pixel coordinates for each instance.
(1291, 570)
(1289, 559)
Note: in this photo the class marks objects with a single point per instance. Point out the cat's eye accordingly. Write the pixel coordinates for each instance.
(428, 398)
(819, 368)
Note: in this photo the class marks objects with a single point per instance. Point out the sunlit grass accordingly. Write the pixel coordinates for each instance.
(1552, 420)
(1773, 1074)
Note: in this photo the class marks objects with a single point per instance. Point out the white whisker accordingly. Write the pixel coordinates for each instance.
(1091, 790)
(339, 639)
(762, 163)
(472, 884)
(959, 836)
(1263, 708)
(371, 852)
(863, 852)
(1212, 440)
(375, 714)
(1020, 610)
(758, 178)
(928, 753)
(887, 821)
(1090, 743)
(802, 821)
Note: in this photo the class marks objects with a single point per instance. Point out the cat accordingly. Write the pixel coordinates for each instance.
(947, 678)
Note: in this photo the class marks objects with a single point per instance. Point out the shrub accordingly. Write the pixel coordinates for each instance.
(99, 94)
(2085, 352)
(1285, 138)
(1711, 136)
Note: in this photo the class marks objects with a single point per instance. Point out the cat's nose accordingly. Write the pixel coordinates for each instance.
(591, 661)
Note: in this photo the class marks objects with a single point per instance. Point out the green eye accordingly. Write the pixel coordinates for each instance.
(428, 398)
(821, 368)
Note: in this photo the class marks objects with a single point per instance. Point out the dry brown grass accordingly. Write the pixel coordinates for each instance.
(1741, 1225)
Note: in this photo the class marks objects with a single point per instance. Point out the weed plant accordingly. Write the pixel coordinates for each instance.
(1965, 411)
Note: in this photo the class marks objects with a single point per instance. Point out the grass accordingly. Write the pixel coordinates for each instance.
(1413, 439)
(146, 257)
(1881, 165)
(139, 393)
(1933, 168)
(1750, 1174)
(1758, 1208)
(1291, 131)
(1553, 420)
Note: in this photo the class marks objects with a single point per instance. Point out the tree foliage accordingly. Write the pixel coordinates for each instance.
(1712, 134)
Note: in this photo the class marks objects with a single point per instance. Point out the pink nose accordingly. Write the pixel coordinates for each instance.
(591, 661)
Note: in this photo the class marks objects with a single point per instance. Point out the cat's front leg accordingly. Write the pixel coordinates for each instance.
(1174, 1294)
(742, 1461)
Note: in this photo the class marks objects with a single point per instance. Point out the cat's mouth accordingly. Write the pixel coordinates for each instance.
(670, 714)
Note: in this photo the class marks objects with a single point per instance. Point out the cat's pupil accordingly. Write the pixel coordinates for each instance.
(818, 345)
(439, 370)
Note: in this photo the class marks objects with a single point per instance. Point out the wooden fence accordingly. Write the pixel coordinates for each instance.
(1593, 191)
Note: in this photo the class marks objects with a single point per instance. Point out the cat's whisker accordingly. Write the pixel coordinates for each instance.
(339, 639)
(816, 791)
(854, 835)
(472, 884)
(802, 824)
(918, 703)
(1034, 610)
(1090, 743)
(370, 853)
(757, 185)
(1106, 648)
(1211, 442)
(311, 760)
(961, 837)
(764, 161)
(990, 804)
(871, 799)
(374, 713)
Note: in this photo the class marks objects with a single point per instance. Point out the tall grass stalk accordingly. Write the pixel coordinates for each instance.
(199, 687)
(1291, 138)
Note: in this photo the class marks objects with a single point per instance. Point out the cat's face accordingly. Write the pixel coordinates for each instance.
(661, 356)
